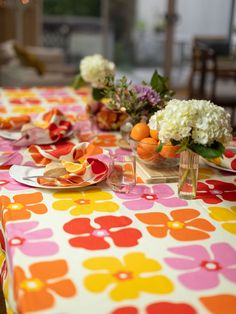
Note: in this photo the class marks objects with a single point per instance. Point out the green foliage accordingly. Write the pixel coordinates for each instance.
(72, 7)
(209, 152)
(78, 82)
(159, 147)
(160, 84)
(215, 150)
(97, 93)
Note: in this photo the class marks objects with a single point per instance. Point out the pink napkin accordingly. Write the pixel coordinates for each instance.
(50, 128)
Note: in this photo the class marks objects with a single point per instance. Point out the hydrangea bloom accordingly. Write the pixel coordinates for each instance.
(200, 120)
(94, 70)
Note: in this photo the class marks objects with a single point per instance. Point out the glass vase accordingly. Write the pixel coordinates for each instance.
(188, 174)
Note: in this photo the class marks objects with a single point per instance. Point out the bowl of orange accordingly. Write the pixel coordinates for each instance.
(145, 143)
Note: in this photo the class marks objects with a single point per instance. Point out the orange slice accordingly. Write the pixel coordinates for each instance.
(74, 167)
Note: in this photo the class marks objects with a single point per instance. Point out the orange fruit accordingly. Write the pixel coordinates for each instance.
(154, 134)
(139, 131)
(74, 167)
(169, 151)
(146, 148)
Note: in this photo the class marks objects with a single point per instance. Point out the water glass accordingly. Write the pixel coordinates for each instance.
(85, 129)
(122, 173)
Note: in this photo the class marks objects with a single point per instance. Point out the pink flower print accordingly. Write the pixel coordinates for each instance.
(204, 268)
(6, 146)
(29, 241)
(8, 183)
(54, 92)
(8, 159)
(145, 197)
(71, 109)
(122, 151)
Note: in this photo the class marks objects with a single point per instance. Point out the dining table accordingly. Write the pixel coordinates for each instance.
(90, 250)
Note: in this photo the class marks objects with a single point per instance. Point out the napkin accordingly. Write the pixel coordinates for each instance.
(80, 167)
(66, 164)
(13, 122)
(50, 128)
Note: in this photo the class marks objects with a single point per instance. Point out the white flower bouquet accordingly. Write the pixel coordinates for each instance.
(94, 70)
(198, 125)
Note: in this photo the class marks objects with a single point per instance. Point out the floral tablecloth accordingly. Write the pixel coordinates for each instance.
(91, 250)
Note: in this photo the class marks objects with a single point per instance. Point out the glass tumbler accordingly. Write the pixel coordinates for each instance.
(122, 173)
(85, 129)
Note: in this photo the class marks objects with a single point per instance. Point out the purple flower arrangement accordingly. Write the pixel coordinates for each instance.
(138, 101)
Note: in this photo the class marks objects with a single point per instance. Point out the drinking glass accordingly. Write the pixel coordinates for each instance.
(122, 173)
(85, 129)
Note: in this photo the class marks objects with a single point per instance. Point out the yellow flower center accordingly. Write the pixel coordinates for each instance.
(15, 206)
(175, 225)
(123, 275)
(82, 201)
(34, 284)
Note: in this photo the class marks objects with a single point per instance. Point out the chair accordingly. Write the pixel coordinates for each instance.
(213, 76)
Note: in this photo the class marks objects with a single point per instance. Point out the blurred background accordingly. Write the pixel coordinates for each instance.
(191, 42)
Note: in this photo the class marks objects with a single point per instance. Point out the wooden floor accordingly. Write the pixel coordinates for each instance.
(2, 303)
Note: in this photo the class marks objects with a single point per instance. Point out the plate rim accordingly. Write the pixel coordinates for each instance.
(37, 185)
(211, 164)
(70, 133)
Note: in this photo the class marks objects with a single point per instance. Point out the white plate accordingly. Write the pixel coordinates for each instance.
(10, 135)
(16, 135)
(218, 167)
(22, 173)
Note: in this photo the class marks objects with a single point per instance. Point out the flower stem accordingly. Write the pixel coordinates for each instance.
(194, 183)
(183, 179)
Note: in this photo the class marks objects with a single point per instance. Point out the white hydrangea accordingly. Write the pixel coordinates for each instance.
(94, 69)
(153, 122)
(201, 120)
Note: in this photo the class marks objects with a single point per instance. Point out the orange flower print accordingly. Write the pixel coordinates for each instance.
(36, 291)
(184, 225)
(220, 304)
(105, 140)
(22, 206)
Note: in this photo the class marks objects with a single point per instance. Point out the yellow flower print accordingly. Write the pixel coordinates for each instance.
(20, 93)
(28, 110)
(85, 202)
(225, 214)
(205, 173)
(127, 278)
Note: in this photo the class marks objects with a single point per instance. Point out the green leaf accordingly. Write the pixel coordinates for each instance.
(78, 82)
(209, 152)
(174, 142)
(159, 147)
(97, 93)
(157, 82)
